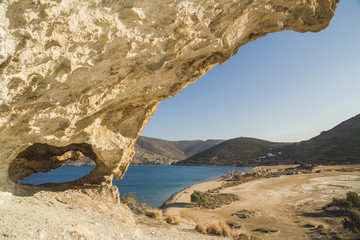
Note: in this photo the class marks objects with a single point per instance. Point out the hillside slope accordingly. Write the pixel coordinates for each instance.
(234, 151)
(340, 144)
(158, 151)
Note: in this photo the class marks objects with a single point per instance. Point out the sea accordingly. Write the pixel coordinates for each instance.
(153, 184)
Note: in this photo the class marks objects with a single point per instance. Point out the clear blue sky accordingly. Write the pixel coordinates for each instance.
(287, 86)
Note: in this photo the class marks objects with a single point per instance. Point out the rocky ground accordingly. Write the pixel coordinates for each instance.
(86, 214)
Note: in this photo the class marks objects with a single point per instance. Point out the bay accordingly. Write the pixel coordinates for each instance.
(153, 184)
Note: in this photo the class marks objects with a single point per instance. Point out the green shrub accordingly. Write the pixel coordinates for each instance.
(352, 222)
(354, 199)
(320, 226)
(266, 230)
(341, 203)
(237, 177)
(306, 166)
(198, 197)
(352, 205)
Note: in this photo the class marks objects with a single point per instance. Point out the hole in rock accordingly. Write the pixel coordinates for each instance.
(43, 163)
(63, 174)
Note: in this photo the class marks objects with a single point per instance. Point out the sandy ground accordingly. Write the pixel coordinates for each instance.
(285, 204)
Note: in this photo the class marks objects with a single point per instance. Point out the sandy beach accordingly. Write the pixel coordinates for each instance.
(290, 205)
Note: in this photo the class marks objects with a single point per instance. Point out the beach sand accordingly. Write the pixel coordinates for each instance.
(290, 204)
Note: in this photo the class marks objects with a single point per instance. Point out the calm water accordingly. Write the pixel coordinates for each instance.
(153, 184)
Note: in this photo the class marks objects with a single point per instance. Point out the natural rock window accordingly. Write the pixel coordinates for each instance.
(64, 174)
(42, 158)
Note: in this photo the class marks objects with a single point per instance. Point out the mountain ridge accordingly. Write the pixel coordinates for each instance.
(340, 144)
(236, 151)
(159, 151)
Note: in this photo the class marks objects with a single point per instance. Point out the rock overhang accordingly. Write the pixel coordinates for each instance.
(91, 73)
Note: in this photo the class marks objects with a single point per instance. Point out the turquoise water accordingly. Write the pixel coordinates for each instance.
(152, 184)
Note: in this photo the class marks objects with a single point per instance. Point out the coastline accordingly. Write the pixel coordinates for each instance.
(204, 186)
(175, 197)
(284, 204)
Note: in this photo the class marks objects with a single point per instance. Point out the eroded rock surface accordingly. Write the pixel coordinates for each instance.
(86, 76)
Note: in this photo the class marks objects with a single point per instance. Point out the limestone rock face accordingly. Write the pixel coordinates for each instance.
(84, 77)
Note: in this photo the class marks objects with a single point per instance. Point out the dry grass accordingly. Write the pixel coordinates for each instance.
(185, 214)
(214, 229)
(169, 218)
(153, 213)
(176, 221)
(200, 228)
(225, 230)
(135, 205)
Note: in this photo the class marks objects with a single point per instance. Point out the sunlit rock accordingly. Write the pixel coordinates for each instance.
(86, 76)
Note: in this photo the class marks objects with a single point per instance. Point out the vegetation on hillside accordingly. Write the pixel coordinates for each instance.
(235, 151)
(340, 145)
(158, 151)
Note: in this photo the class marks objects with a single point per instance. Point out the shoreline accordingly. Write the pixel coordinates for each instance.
(271, 167)
(209, 182)
(284, 204)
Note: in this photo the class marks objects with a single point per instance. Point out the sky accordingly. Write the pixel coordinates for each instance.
(283, 87)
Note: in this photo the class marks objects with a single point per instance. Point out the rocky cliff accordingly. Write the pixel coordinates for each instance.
(84, 77)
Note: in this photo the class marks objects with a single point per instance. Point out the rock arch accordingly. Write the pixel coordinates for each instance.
(91, 73)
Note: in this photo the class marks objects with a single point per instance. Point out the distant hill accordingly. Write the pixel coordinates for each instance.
(158, 151)
(339, 145)
(235, 151)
